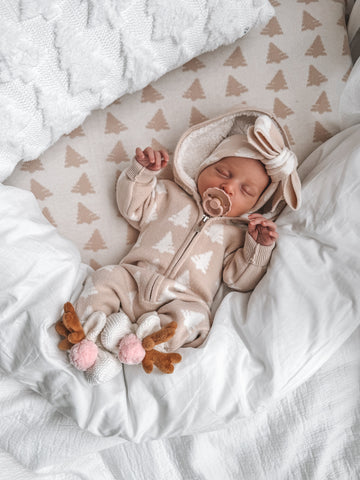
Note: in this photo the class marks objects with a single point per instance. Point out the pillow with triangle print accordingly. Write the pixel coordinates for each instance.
(63, 59)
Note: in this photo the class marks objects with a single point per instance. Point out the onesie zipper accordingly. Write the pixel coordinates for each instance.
(191, 238)
(152, 294)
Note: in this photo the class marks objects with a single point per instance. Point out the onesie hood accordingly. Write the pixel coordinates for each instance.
(248, 133)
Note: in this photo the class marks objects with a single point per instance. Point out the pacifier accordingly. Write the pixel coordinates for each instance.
(216, 202)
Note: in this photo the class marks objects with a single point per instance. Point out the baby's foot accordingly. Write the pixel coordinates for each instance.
(117, 326)
(106, 367)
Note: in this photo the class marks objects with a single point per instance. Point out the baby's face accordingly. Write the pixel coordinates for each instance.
(243, 179)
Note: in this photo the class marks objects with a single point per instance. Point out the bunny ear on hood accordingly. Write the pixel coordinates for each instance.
(280, 163)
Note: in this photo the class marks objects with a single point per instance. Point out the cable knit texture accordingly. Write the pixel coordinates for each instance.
(60, 60)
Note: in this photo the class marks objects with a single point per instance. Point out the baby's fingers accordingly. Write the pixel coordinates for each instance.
(273, 235)
(139, 154)
(158, 160)
(269, 224)
(260, 220)
(165, 158)
(149, 152)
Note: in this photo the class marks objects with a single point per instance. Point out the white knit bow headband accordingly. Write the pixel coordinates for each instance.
(265, 142)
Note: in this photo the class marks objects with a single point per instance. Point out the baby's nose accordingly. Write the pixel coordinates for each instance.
(228, 188)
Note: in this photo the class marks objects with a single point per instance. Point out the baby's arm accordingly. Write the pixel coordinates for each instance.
(245, 267)
(135, 189)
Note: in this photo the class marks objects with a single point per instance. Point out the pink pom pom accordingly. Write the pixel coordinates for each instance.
(83, 355)
(131, 350)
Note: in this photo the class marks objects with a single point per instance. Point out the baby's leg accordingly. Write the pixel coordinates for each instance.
(98, 302)
(102, 292)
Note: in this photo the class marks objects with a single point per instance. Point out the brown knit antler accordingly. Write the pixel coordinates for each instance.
(163, 361)
(70, 328)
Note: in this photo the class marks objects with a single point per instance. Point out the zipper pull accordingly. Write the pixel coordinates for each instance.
(202, 222)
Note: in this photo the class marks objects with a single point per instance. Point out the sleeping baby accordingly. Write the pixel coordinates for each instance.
(212, 223)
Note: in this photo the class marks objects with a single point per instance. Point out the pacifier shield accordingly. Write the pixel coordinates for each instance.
(216, 202)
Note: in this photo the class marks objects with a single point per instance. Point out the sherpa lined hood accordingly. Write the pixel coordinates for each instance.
(255, 134)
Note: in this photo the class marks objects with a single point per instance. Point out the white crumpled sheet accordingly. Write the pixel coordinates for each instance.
(261, 346)
(314, 432)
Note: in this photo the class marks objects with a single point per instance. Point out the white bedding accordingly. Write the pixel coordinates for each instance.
(273, 340)
(313, 432)
(287, 357)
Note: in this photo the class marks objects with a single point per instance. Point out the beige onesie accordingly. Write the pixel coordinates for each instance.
(181, 256)
(176, 266)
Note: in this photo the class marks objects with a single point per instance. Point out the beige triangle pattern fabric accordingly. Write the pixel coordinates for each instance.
(193, 65)
(40, 192)
(113, 125)
(285, 66)
(315, 77)
(309, 22)
(78, 132)
(158, 146)
(32, 166)
(346, 46)
(196, 117)
(85, 215)
(322, 104)
(158, 122)
(73, 158)
(275, 55)
(45, 211)
(280, 109)
(317, 48)
(289, 136)
(321, 134)
(83, 185)
(96, 242)
(118, 154)
(234, 88)
(346, 76)
(150, 94)
(195, 91)
(236, 59)
(272, 28)
(278, 82)
(94, 264)
(307, 1)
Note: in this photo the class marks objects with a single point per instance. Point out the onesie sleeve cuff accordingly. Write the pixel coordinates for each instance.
(256, 253)
(139, 173)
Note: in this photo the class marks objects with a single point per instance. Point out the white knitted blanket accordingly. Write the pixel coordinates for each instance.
(61, 59)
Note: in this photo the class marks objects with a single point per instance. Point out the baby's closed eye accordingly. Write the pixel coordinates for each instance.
(223, 172)
(248, 190)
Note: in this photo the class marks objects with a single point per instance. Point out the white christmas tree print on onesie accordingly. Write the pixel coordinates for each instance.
(184, 279)
(181, 219)
(202, 261)
(89, 289)
(192, 320)
(152, 214)
(165, 245)
(216, 233)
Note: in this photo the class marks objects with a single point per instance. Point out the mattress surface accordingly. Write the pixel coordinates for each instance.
(295, 66)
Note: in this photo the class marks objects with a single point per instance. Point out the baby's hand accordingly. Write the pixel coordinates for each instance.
(152, 159)
(262, 231)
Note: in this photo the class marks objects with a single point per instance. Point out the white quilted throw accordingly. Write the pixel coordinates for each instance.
(61, 59)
